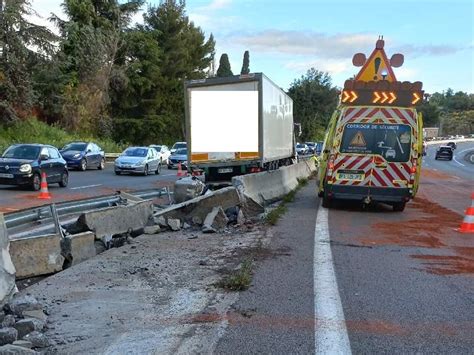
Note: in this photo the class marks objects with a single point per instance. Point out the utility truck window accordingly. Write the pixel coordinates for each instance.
(391, 141)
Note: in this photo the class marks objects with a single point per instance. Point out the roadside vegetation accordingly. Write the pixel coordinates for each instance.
(275, 214)
(240, 279)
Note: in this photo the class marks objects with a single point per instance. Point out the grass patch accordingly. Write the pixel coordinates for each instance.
(34, 131)
(240, 279)
(274, 215)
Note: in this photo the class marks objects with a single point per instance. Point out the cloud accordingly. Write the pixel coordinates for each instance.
(307, 43)
(430, 50)
(208, 17)
(330, 66)
(216, 5)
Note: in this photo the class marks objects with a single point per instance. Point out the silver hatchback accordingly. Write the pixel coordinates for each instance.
(139, 160)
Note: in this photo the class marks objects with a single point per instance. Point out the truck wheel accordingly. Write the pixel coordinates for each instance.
(399, 206)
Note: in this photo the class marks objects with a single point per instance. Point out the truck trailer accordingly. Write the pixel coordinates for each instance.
(237, 125)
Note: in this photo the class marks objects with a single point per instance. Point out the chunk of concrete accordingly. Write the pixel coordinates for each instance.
(28, 325)
(23, 343)
(8, 335)
(8, 321)
(152, 229)
(20, 304)
(187, 188)
(117, 220)
(7, 268)
(38, 314)
(36, 256)
(38, 339)
(11, 349)
(200, 206)
(174, 224)
(161, 221)
(215, 221)
(79, 247)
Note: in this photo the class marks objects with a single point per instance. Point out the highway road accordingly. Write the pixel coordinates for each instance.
(366, 280)
(83, 184)
(458, 166)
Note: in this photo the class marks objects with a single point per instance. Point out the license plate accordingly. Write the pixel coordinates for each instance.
(6, 176)
(350, 176)
(225, 170)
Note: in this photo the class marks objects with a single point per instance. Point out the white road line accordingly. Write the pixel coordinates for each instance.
(84, 187)
(454, 158)
(330, 326)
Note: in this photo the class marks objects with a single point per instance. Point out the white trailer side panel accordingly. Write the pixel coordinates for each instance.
(224, 119)
(277, 122)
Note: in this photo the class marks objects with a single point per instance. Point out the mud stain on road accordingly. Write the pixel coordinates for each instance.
(433, 227)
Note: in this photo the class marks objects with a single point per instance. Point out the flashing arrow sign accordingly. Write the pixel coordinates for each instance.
(346, 96)
(354, 96)
(416, 98)
(385, 97)
(377, 97)
(392, 98)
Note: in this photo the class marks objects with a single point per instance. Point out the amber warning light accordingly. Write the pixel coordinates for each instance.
(382, 94)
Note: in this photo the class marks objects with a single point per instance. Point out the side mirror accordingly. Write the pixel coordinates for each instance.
(88, 151)
(44, 157)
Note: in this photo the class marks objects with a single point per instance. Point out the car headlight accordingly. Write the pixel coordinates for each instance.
(75, 156)
(140, 163)
(25, 168)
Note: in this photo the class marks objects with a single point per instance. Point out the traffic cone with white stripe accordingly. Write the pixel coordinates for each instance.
(467, 226)
(44, 193)
(180, 171)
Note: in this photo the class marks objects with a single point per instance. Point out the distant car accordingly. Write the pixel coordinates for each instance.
(163, 152)
(444, 152)
(83, 155)
(302, 149)
(459, 136)
(23, 164)
(141, 160)
(318, 148)
(311, 146)
(424, 148)
(178, 145)
(390, 153)
(179, 156)
(452, 145)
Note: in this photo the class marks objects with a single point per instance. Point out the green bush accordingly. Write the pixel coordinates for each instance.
(34, 131)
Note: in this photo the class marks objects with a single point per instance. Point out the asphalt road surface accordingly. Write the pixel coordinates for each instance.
(83, 184)
(458, 166)
(365, 280)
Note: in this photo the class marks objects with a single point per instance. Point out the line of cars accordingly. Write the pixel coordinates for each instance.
(23, 164)
(445, 152)
(309, 148)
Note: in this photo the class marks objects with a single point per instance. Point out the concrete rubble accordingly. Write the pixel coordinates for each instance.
(215, 221)
(7, 268)
(23, 323)
(188, 188)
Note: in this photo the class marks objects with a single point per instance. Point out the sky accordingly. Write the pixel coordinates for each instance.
(285, 38)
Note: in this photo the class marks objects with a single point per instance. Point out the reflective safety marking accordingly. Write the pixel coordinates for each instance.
(330, 326)
(199, 157)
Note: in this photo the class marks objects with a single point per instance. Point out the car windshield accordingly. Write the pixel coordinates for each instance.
(445, 149)
(391, 141)
(179, 145)
(75, 146)
(310, 144)
(299, 146)
(22, 152)
(157, 147)
(319, 145)
(181, 151)
(136, 152)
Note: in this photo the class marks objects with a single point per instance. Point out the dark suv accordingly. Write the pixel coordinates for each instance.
(444, 152)
(22, 164)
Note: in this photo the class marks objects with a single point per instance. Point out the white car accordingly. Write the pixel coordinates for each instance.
(178, 145)
(163, 152)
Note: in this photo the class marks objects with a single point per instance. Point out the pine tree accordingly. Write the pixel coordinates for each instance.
(246, 63)
(224, 66)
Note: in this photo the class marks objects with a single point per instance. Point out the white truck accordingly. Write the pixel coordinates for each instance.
(237, 125)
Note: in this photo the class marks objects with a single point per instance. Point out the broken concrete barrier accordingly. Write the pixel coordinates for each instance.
(77, 248)
(197, 209)
(7, 268)
(187, 188)
(36, 256)
(261, 189)
(117, 220)
(215, 221)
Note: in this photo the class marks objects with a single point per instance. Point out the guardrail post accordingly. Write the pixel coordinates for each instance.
(57, 225)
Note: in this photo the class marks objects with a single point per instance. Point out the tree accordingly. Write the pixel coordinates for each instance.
(245, 65)
(224, 67)
(17, 58)
(91, 39)
(314, 100)
(180, 52)
(431, 114)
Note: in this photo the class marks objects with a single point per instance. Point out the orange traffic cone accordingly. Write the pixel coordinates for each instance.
(44, 193)
(180, 171)
(467, 226)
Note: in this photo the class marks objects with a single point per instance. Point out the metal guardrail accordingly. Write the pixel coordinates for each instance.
(43, 214)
